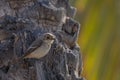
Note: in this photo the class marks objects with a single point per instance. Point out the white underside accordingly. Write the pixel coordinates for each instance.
(41, 51)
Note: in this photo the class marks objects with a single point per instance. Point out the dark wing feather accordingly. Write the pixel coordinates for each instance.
(38, 42)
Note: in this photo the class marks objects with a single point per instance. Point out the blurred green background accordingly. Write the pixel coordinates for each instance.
(99, 38)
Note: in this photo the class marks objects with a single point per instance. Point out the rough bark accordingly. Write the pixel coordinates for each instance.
(21, 22)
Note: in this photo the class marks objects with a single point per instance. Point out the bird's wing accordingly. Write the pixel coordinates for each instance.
(37, 43)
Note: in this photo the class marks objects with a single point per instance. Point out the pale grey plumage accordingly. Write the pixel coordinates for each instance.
(40, 47)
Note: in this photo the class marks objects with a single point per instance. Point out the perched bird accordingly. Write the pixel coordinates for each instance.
(40, 47)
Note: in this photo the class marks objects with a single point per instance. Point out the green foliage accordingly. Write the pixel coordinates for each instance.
(99, 38)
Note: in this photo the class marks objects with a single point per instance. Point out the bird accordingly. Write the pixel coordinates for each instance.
(40, 47)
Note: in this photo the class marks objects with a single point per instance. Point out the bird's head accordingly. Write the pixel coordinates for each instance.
(48, 38)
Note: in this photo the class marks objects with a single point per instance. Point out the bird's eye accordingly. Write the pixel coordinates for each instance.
(47, 37)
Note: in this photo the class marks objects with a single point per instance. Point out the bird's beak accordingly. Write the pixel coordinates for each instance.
(53, 38)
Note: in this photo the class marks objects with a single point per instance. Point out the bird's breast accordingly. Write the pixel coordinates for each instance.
(40, 51)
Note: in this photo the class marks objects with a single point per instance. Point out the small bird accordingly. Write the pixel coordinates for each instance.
(40, 47)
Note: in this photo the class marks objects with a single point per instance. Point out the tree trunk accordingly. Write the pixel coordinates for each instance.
(23, 21)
